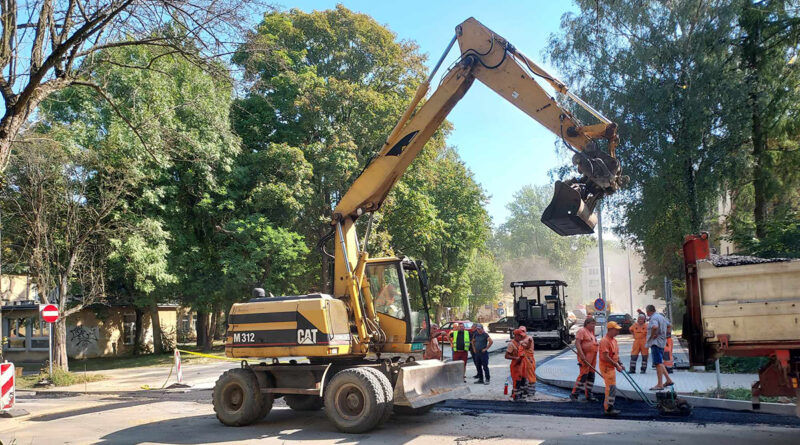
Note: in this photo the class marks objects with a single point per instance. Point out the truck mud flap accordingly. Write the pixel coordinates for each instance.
(426, 382)
(567, 213)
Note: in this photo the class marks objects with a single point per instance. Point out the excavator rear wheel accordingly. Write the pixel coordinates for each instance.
(354, 400)
(237, 398)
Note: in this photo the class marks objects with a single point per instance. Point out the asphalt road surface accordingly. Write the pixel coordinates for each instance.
(187, 418)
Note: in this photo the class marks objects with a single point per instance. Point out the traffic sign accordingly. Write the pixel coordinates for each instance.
(600, 317)
(599, 304)
(49, 313)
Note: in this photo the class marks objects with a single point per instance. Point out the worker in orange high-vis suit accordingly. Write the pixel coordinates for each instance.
(530, 363)
(586, 348)
(639, 331)
(609, 365)
(519, 369)
(669, 359)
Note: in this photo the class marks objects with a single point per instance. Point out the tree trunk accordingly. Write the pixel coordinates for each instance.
(200, 328)
(138, 332)
(759, 169)
(212, 328)
(60, 345)
(158, 344)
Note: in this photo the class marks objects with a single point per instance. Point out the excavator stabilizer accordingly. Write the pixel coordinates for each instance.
(568, 214)
(425, 382)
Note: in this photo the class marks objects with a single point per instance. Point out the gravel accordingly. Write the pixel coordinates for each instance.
(740, 260)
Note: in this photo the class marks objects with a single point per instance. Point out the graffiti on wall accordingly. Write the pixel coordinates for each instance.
(82, 337)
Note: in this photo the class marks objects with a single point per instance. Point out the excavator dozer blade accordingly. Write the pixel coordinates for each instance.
(567, 213)
(425, 382)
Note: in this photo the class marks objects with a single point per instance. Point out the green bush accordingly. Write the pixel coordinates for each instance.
(741, 365)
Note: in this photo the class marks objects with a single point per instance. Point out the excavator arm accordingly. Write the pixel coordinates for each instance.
(491, 59)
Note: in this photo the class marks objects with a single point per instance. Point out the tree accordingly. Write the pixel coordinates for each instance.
(138, 259)
(663, 72)
(332, 85)
(45, 45)
(523, 235)
(167, 130)
(485, 281)
(437, 214)
(766, 48)
(60, 201)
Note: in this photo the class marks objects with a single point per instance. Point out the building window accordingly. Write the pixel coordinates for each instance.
(25, 333)
(40, 333)
(129, 329)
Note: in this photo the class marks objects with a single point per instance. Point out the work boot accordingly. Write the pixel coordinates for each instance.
(486, 382)
(632, 371)
(476, 376)
(573, 397)
(591, 398)
(644, 368)
(611, 411)
(479, 382)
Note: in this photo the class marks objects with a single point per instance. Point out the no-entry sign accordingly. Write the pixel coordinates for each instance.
(49, 313)
(599, 304)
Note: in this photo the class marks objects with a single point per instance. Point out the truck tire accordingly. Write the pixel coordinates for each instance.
(409, 411)
(299, 402)
(388, 393)
(354, 399)
(237, 399)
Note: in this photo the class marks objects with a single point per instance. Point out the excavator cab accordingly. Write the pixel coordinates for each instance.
(568, 212)
(398, 287)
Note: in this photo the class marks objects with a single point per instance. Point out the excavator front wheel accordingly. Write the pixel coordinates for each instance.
(354, 400)
(237, 399)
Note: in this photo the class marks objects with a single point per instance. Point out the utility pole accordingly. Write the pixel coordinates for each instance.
(602, 265)
(630, 281)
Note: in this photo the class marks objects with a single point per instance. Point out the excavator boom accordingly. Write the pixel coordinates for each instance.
(491, 59)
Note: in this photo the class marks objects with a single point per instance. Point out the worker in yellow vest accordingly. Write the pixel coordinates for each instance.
(459, 341)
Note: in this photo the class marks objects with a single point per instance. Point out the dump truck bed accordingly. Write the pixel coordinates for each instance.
(751, 301)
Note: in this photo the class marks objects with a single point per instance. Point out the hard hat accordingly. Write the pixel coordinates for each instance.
(613, 325)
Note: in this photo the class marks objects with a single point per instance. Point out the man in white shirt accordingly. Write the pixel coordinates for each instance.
(657, 341)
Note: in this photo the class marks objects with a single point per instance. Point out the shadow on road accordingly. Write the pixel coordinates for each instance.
(283, 425)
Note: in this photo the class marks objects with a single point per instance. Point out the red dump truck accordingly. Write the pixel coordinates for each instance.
(745, 307)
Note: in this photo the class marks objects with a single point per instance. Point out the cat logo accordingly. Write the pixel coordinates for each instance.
(307, 336)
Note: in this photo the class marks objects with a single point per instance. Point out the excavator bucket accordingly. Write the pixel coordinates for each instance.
(425, 382)
(567, 213)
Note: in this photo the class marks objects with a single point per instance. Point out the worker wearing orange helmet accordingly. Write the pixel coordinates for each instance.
(639, 331)
(530, 362)
(519, 365)
(586, 348)
(609, 365)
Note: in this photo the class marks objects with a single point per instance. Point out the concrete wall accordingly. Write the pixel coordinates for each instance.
(99, 333)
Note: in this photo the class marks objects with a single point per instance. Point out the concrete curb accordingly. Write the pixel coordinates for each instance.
(781, 409)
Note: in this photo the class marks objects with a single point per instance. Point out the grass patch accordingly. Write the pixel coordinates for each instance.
(740, 365)
(59, 378)
(743, 394)
(147, 360)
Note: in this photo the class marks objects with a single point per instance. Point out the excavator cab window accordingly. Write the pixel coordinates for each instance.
(399, 289)
(420, 326)
(384, 283)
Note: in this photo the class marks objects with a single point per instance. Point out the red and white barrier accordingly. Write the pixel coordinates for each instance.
(7, 385)
(179, 373)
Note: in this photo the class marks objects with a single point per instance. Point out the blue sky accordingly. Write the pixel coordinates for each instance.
(501, 145)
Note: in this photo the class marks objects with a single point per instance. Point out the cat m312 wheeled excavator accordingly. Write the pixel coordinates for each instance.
(360, 343)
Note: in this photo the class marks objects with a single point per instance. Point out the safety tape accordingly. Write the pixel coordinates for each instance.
(211, 356)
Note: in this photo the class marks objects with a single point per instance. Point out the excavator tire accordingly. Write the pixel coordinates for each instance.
(388, 392)
(237, 398)
(354, 400)
(299, 402)
(409, 411)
